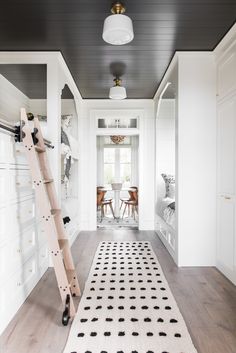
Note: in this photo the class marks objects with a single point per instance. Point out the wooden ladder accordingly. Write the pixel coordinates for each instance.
(50, 214)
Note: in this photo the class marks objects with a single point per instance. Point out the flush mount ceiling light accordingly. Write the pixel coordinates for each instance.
(117, 91)
(118, 28)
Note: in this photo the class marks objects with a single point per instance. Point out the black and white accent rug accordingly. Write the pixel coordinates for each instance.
(127, 305)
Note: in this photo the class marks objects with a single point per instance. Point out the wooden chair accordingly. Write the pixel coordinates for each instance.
(103, 203)
(132, 202)
(124, 199)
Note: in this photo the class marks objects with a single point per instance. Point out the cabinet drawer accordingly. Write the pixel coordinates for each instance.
(18, 287)
(11, 152)
(20, 184)
(17, 154)
(16, 252)
(43, 260)
(42, 255)
(41, 235)
(22, 215)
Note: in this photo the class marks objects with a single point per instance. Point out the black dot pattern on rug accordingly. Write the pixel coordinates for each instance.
(107, 333)
(127, 300)
(83, 320)
(160, 320)
(162, 334)
(149, 334)
(121, 333)
(147, 319)
(173, 321)
(135, 333)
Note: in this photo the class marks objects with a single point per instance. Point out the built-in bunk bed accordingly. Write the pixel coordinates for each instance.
(166, 205)
(165, 210)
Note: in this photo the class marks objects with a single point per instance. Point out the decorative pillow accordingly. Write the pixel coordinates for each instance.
(171, 192)
(170, 185)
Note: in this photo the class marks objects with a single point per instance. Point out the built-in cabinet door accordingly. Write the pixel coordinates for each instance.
(226, 238)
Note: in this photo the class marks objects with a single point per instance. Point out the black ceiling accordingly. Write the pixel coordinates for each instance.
(75, 27)
(31, 80)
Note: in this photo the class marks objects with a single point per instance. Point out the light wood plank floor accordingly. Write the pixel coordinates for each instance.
(206, 299)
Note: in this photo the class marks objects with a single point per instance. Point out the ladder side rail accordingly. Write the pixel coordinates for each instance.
(43, 159)
(45, 213)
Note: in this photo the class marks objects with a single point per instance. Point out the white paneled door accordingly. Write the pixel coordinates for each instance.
(226, 236)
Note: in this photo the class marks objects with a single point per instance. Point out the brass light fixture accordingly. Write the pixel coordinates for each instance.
(118, 28)
(117, 139)
(117, 91)
(118, 8)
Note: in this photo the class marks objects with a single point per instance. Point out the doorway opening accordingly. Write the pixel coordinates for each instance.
(117, 181)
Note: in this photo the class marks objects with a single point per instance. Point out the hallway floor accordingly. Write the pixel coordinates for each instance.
(206, 299)
(108, 222)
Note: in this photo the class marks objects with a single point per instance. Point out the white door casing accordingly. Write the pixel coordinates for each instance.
(226, 238)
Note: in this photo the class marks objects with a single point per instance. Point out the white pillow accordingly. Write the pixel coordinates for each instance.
(171, 192)
(169, 179)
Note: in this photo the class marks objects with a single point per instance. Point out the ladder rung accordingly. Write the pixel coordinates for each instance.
(63, 243)
(71, 275)
(55, 211)
(39, 149)
(47, 181)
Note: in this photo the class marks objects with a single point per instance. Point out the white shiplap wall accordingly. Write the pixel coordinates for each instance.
(23, 252)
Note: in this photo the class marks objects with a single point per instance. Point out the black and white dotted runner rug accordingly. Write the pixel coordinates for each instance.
(127, 305)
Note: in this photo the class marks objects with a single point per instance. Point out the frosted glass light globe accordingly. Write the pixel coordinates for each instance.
(117, 92)
(118, 29)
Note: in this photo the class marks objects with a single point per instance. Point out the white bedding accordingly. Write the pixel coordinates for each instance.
(165, 212)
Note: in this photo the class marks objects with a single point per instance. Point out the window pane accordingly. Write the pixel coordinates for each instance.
(125, 155)
(109, 173)
(109, 155)
(125, 174)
